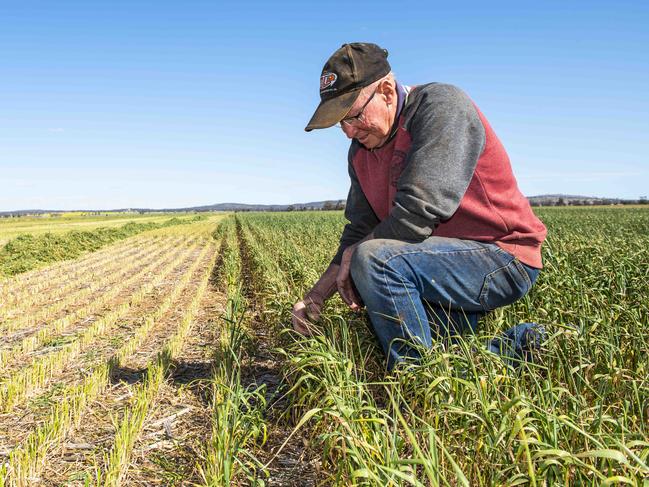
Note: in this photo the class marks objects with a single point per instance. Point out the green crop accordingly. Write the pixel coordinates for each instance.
(462, 416)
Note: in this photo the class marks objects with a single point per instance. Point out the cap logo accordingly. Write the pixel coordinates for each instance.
(327, 80)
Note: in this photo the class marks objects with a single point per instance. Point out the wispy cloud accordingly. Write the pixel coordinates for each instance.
(56, 129)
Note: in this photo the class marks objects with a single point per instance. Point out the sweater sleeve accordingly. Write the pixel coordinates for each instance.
(447, 140)
(358, 212)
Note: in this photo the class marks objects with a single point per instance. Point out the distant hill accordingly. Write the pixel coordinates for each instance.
(540, 200)
(24, 212)
(313, 205)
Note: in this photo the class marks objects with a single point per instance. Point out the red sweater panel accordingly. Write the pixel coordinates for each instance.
(493, 209)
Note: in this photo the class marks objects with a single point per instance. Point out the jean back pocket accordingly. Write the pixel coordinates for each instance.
(505, 285)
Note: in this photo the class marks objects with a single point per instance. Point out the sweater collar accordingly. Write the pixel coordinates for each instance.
(401, 101)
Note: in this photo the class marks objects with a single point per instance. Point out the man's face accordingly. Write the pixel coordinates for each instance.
(373, 126)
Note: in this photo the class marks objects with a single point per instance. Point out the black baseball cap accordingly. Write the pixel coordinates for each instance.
(348, 70)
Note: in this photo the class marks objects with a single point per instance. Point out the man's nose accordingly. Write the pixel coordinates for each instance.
(349, 130)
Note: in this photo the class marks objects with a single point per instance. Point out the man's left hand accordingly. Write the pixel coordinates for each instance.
(344, 279)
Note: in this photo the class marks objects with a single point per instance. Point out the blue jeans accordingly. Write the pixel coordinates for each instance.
(432, 290)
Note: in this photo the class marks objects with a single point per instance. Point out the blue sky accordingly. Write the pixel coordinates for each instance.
(169, 104)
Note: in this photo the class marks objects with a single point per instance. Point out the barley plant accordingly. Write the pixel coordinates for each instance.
(237, 410)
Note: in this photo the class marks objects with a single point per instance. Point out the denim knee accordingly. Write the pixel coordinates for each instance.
(361, 261)
(365, 259)
(369, 258)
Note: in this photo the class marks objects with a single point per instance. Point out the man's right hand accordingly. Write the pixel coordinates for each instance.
(306, 312)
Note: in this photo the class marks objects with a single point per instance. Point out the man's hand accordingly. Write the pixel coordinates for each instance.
(306, 312)
(344, 280)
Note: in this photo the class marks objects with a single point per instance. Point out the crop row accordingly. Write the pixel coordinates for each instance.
(237, 411)
(18, 385)
(27, 252)
(32, 283)
(150, 266)
(203, 228)
(48, 289)
(132, 422)
(328, 393)
(27, 458)
(113, 279)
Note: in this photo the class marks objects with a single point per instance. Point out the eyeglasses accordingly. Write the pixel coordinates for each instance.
(356, 119)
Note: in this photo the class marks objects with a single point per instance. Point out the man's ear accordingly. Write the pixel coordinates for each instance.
(388, 88)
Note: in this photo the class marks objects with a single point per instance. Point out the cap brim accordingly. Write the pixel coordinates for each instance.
(332, 111)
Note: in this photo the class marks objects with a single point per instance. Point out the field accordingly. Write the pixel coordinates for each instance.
(36, 225)
(166, 359)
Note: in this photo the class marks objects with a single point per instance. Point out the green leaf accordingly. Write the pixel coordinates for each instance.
(618, 479)
(609, 454)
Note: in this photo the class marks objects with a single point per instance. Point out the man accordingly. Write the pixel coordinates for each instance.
(439, 232)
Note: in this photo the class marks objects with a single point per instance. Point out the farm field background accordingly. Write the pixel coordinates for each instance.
(166, 359)
(59, 223)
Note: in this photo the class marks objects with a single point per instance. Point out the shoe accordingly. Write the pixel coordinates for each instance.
(521, 343)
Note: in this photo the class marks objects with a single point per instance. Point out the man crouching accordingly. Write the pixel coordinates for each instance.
(438, 233)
